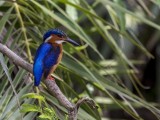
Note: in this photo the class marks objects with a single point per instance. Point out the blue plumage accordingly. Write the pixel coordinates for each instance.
(46, 57)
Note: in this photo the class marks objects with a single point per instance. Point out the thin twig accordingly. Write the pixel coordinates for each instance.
(144, 7)
(86, 100)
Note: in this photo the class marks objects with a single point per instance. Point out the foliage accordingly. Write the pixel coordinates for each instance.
(46, 113)
(102, 27)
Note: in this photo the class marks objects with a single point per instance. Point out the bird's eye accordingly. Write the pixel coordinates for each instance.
(60, 36)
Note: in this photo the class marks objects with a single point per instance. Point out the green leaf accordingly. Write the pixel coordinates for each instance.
(122, 9)
(5, 18)
(34, 95)
(4, 66)
(9, 32)
(30, 108)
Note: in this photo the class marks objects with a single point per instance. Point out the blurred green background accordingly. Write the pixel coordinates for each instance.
(117, 64)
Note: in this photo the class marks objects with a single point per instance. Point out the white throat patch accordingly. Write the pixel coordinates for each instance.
(59, 41)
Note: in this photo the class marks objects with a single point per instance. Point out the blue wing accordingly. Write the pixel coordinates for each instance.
(46, 57)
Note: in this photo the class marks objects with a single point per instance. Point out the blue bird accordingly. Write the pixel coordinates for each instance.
(49, 54)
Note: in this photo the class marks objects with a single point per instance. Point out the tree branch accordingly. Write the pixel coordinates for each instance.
(51, 85)
(55, 91)
(15, 58)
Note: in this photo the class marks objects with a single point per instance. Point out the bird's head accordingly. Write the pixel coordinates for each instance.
(56, 36)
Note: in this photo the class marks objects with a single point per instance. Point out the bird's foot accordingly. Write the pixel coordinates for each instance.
(50, 78)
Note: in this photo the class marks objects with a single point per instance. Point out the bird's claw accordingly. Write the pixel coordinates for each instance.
(50, 78)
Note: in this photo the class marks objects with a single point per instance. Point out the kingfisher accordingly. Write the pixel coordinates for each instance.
(49, 54)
